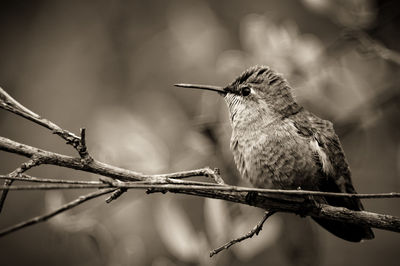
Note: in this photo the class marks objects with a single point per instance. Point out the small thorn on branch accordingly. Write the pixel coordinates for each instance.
(83, 137)
(116, 194)
(82, 148)
(255, 231)
(215, 174)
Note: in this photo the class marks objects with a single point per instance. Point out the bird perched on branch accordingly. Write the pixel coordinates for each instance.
(276, 143)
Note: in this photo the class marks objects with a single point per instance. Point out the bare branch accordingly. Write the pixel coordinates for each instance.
(166, 185)
(28, 178)
(10, 104)
(292, 201)
(207, 172)
(96, 167)
(82, 149)
(255, 231)
(116, 180)
(42, 218)
(34, 161)
(116, 194)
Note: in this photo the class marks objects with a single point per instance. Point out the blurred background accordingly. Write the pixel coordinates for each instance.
(109, 66)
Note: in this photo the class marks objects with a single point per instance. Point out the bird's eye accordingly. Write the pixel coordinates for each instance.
(245, 91)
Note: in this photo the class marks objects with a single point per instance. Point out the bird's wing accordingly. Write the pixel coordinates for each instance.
(335, 174)
(337, 178)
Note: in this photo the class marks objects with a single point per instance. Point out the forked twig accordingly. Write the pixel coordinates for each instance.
(255, 231)
(10, 104)
(34, 161)
(117, 180)
(79, 143)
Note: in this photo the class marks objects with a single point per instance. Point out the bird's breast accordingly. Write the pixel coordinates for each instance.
(274, 156)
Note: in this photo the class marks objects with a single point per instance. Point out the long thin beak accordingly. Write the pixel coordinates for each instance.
(202, 87)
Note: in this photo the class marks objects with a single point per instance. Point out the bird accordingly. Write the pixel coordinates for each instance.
(276, 143)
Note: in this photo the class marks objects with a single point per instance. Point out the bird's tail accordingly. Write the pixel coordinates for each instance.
(346, 231)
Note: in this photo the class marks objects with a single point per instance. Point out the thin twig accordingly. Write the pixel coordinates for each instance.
(63, 208)
(10, 104)
(278, 200)
(52, 158)
(116, 194)
(28, 178)
(55, 186)
(293, 201)
(207, 172)
(82, 148)
(96, 167)
(255, 231)
(375, 220)
(193, 186)
(34, 161)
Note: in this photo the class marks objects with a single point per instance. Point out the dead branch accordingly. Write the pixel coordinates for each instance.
(293, 201)
(170, 184)
(117, 180)
(255, 231)
(34, 161)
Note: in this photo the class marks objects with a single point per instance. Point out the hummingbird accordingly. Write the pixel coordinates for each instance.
(278, 144)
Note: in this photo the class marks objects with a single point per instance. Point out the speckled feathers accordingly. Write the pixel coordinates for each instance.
(278, 144)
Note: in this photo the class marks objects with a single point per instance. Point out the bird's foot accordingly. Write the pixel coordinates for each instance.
(251, 197)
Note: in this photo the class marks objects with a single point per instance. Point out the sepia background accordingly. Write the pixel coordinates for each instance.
(109, 66)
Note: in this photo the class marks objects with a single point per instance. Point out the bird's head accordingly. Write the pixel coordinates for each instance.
(258, 93)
